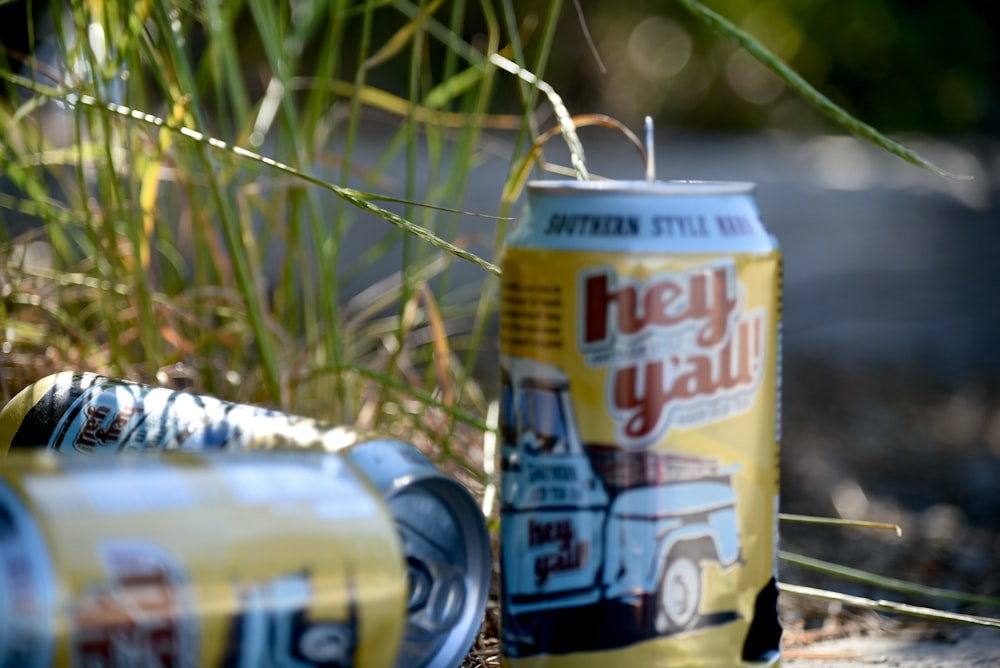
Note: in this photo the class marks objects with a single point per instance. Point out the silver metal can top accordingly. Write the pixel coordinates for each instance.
(447, 550)
(681, 217)
(635, 187)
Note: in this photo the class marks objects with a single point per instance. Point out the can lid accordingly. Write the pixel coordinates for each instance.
(635, 187)
(447, 551)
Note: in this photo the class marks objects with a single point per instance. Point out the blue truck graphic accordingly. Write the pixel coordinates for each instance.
(584, 524)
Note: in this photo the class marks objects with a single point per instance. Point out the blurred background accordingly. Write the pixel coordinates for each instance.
(892, 364)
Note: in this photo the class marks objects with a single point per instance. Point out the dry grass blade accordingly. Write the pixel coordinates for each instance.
(558, 108)
(837, 521)
(588, 37)
(382, 100)
(884, 582)
(489, 457)
(813, 96)
(395, 44)
(439, 337)
(520, 174)
(887, 606)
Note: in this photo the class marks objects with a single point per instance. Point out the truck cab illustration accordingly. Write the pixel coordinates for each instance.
(590, 523)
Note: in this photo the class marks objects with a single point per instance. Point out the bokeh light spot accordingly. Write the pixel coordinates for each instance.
(659, 48)
(750, 80)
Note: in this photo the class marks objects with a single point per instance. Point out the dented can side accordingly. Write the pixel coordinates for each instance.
(129, 566)
(640, 375)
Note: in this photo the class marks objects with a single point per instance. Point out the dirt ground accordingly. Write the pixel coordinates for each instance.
(891, 447)
(916, 648)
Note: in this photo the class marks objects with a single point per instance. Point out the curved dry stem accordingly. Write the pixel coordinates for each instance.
(514, 186)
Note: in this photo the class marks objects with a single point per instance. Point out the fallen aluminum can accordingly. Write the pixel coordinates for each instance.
(197, 559)
(444, 536)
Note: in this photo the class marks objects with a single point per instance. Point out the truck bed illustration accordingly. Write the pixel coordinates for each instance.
(589, 523)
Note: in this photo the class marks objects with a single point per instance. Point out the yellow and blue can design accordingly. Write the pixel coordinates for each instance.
(215, 559)
(443, 532)
(640, 328)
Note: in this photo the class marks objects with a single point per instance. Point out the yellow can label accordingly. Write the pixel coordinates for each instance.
(205, 560)
(640, 462)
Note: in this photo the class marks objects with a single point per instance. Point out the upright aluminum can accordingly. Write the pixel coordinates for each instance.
(444, 535)
(640, 361)
(215, 560)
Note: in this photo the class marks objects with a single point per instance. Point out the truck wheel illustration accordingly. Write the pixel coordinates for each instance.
(679, 594)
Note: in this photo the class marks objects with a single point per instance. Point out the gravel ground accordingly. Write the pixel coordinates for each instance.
(910, 649)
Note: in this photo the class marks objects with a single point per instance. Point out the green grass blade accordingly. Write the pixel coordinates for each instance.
(806, 90)
(884, 582)
(350, 195)
(386, 380)
(183, 78)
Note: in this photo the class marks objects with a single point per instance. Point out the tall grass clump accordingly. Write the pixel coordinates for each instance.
(196, 193)
(181, 183)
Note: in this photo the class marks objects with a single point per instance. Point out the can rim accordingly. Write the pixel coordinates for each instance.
(399, 471)
(637, 187)
(455, 645)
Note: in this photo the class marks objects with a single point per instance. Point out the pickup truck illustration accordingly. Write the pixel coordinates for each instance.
(584, 524)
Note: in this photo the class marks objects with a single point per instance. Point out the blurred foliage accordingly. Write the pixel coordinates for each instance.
(900, 65)
(144, 234)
